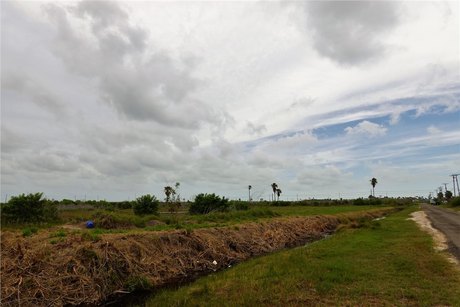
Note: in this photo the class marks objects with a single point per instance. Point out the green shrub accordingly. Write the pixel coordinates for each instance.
(28, 231)
(375, 201)
(124, 204)
(455, 202)
(239, 205)
(29, 208)
(205, 203)
(146, 204)
(278, 203)
(67, 202)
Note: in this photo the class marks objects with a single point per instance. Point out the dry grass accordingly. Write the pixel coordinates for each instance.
(75, 268)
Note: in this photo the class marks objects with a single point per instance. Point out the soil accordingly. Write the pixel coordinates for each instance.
(78, 268)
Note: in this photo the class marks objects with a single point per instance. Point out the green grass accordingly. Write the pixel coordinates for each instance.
(389, 262)
(124, 219)
(29, 231)
(320, 210)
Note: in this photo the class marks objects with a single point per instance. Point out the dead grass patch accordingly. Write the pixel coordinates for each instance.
(78, 271)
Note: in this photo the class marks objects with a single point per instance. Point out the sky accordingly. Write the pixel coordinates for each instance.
(113, 100)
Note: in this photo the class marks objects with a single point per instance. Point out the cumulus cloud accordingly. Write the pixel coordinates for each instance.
(350, 32)
(220, 96)
(367, 128)
(11, 142)
(33, 90)
(254, 129)
(97, 40)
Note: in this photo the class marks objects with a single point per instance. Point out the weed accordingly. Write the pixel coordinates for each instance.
(188, 230)
(90, 236)
(137, 283)
(87, 255)
(55, 241)
(28, 231)
(58, 234)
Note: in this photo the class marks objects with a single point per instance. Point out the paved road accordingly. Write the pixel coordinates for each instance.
(448, 222)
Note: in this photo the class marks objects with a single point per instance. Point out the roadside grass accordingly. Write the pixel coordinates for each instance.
(453, 204)
(384, 263)
(457, 209)
(321, 210)
(450, 207)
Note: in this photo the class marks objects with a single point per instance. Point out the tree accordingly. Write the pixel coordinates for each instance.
(206, 203)
(146, 204)
(373, 183)
(168, 192)
(29, 208)
(177, 186)
(249, 188)
(278, 193)
(448, 195)
(274, 188)
(175, 199)
(440, 195)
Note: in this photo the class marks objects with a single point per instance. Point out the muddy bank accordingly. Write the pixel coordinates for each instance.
(77, 270)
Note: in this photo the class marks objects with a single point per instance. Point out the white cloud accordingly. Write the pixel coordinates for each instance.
(433, 130)
(367, 128)
(350, 32)
(120, 98)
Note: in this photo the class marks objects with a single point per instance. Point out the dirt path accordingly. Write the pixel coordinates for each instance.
(448, 222)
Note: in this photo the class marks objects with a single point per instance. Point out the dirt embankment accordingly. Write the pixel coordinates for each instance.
(77, 270)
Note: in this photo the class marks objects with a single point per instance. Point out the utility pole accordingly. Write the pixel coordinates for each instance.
(445, 186)
(455, 181)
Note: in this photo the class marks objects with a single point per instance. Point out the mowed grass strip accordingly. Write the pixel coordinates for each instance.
(386, 262)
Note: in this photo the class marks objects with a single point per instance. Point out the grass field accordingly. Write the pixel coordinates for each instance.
(389, 262)
(125, 220)
(319, 210)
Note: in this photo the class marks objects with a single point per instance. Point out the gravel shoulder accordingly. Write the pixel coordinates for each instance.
(448, 222)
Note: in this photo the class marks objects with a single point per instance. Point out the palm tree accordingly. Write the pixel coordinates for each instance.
(278, 192)
(168, 191)
(249, 188)
(274, 188)
(373, 183)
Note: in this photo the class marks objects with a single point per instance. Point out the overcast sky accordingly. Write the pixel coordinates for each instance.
(112, 100)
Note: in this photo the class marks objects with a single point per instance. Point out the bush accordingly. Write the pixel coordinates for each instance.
(146, 204)
(278, 203)
(113, 220)
(125, 205)
(239, 205)
(26, 232)
(29, 208)
(205, 203)
(455, 202)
